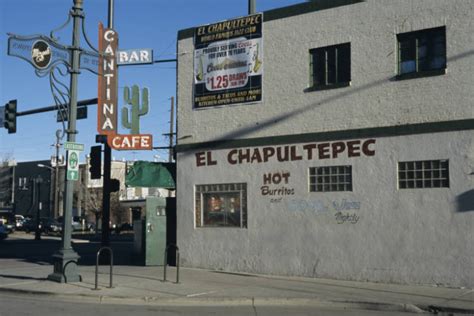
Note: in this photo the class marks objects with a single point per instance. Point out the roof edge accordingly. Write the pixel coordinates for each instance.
(289, 11)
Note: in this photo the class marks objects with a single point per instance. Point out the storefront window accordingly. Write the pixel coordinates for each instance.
(221, 205)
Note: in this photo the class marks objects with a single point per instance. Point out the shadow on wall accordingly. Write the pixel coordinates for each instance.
(465, 201)
(275, 120)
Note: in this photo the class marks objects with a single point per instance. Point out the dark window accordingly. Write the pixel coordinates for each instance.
(329, 179)
(330, 66)
(423, 174)
(221, 205)
(422, 52)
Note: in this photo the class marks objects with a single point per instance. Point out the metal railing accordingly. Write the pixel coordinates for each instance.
(97, 267)
(165, 264)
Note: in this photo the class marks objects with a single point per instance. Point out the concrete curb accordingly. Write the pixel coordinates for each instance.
(222, 301)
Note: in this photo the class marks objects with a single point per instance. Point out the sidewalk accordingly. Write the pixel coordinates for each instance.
(144, 285)
(26, 263)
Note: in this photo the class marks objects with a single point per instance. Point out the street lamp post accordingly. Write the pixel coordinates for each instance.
(56, 174)
(65, 260)
(54, 171)
(38, 182)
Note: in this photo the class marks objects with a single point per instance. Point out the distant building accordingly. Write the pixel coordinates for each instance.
(349, 156)
(6, 185)
(26, 187)
(32, 189)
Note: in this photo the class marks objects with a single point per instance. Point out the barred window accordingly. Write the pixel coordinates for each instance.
(330, 66)
(221, 205)
(421, 52)
(423, 174)
(327, 179)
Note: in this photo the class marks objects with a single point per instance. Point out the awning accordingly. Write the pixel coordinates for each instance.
(151, 175)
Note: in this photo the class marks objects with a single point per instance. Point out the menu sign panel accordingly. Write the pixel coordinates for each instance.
(228, 62)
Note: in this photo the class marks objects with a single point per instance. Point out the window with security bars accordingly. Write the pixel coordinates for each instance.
(423, 174)
(330, 66)
(330, 179)
(422, 52)
(221, 205)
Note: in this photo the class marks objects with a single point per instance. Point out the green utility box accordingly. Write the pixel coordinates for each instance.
(150, 232)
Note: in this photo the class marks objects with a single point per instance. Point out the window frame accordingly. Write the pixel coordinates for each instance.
(415, 37)
(224, 211)
(417, 174)
(326, 173)
(338, 60)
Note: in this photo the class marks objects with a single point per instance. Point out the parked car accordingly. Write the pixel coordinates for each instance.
(77, 224)
(29, 225)
(51, 226)
(8, 224)
(124, 228)
(46, 225)
(3, 232)
(19, 220)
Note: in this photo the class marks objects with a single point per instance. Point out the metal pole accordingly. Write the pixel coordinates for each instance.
(107, 165)
(252, 8)
(110, 21)
(170, 152)
(37, 182)
(66, 254)
(56, 176)
(13, 188)
(106, 195)
(55, 107)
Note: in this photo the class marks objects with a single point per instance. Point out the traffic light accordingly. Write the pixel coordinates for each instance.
(95, 168)
(10, 116)
(114, 185)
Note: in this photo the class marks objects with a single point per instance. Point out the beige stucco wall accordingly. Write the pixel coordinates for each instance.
(422, 236)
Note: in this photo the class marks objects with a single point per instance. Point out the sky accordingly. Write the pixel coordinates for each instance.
(152, 24)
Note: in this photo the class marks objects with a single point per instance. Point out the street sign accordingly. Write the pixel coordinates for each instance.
(73, 165)
(40, 51)
(62, 114)
(89, 60)
(73, 160)
(73, 146)
(135, 56)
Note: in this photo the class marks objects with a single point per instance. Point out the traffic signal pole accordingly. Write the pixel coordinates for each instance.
(107, 161)
(65, 260)
(106, 195)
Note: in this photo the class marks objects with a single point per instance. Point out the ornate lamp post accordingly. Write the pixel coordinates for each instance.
(46, 54)
(65, 260)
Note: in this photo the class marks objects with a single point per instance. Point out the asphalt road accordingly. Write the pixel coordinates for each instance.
(22, 305)
(22, 246)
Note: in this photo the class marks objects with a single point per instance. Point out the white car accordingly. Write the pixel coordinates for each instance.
(19, 220)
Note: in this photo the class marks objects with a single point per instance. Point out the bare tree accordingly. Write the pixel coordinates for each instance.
(6, 179)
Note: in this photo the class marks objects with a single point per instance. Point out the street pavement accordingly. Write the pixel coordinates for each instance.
(26, 263)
